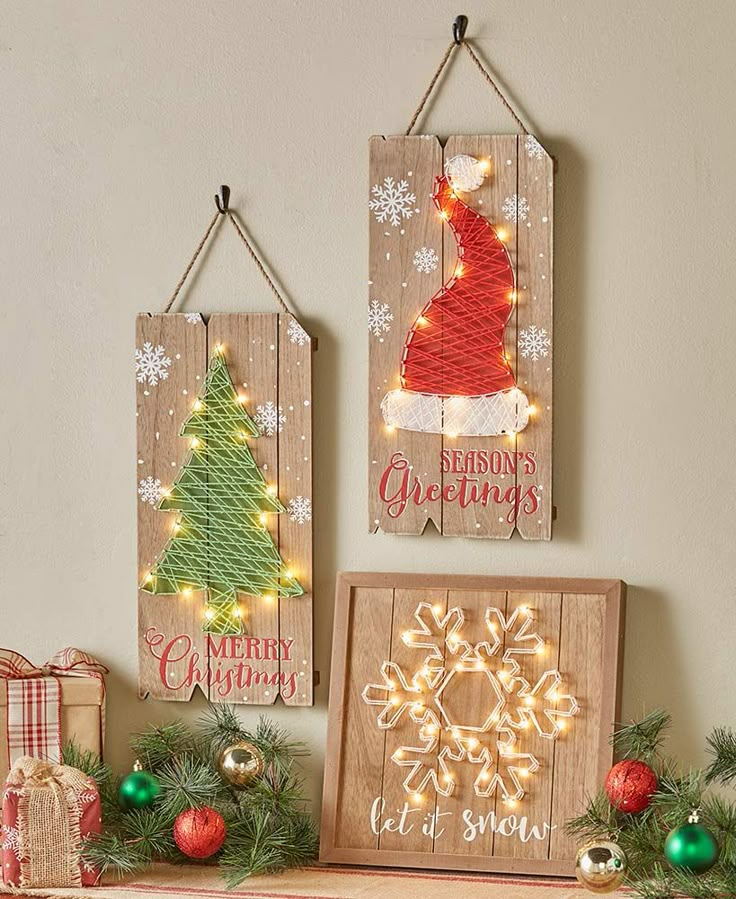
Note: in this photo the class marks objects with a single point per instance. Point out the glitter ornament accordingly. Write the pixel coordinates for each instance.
(138, 789)
(240, 764)
(691, 846)
(199, 832)
(630, 785)
(600, 866)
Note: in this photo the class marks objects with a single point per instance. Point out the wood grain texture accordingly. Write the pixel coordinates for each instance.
(266, 364)
(581, 622)
(534, 295)
(160, 410)
(295, 480)
(394, 280)
(517, 198)
(490, 520)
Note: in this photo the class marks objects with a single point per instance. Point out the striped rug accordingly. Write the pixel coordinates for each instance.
(202, 882)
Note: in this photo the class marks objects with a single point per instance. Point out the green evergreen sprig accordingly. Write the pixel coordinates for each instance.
(642, 836)
(268, 824)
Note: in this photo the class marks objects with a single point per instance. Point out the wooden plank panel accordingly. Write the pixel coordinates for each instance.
(545, 609)
(534, 322)
(250, 346)
(410, 660)
(469, 705)
(582, 619)
(488, 200)
(396, 282)
(576, 769)
(368, 644)
(295, 490)
(169, 627)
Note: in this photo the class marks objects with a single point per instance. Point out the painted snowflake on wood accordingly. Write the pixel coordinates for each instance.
(534, 150)
(380, 317)
(392, 201)
(299, 509)
(533, 343)
(486, 741)
(426, 260)
(270, 418)
(515, 208)
(151, 364)
(296, 333)
(150, 490)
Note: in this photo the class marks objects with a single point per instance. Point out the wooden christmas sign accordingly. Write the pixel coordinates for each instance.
(224, 421)
(469, 718)
(460, 330)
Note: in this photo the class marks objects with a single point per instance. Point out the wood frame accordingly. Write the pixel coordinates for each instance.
(591, 617)
(269, 358)
(519, 477)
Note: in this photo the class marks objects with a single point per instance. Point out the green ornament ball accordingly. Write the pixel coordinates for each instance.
(691, 846)
(138, 789)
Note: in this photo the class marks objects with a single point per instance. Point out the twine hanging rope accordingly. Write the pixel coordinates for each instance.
(484, 72)
(249, 247)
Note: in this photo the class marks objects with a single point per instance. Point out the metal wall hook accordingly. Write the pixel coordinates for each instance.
(222, 199)
(459, 27)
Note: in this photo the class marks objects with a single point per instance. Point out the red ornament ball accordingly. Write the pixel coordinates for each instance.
(630, 786)
(199, 832)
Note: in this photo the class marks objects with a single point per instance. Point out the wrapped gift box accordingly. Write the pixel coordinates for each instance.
(49, 706)
(48, 810)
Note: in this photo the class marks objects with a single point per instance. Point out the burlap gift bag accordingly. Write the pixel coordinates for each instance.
(48, 810)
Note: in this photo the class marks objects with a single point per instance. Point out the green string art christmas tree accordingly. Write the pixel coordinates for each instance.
(221, 541)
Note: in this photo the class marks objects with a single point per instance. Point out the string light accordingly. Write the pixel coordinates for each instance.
(492, 744)
(189, 557)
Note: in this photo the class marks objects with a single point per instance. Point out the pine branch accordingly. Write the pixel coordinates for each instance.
(86, 761)
(262, 844)
(187, 782)
(642, 739)
(598, 820)
(722, 746)
(110, 853)
(159, 745)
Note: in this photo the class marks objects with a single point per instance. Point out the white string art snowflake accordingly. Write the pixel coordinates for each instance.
(505, 702)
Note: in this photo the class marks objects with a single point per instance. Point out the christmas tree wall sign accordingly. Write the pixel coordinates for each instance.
(460, 332)
(224, 507)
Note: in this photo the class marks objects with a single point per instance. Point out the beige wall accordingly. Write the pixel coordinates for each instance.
(119, 120)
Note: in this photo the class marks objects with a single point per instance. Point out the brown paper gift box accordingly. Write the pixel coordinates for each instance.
(81, 716)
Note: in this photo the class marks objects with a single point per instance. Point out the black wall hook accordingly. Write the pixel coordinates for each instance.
(459, 27)
(222, 199)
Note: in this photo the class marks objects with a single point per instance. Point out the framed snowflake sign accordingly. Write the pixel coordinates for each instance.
(460, 331)
(224, 489)
(469, 718)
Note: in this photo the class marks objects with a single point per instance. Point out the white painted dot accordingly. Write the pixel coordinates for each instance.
(178, 356)
(140, 461)
(291, 408)
(410, 174)
(545, 219)
(171, 411)
(500, 518)
(306, 402)
(508, 162)
(477, 524)
(198, 378)
(146, 393)
(272, 347)
(185, 392)
(303, 437)
(173, 464)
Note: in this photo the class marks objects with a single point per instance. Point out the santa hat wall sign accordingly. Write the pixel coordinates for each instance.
(460, 330)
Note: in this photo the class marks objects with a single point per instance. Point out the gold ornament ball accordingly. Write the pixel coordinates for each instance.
(600, 866)
(241, 763)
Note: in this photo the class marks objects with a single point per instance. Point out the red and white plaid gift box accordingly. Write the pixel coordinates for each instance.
(43, 707)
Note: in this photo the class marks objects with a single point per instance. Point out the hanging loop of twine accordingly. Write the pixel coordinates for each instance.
(484, 72)
(249, 247)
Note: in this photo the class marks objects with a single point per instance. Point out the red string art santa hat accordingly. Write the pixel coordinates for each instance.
(456, 378)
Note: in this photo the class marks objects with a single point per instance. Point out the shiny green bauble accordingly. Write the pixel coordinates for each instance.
(138, 789)
(691, 846)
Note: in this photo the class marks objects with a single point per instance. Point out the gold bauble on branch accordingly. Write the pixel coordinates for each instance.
(600, 866)
(241, 763)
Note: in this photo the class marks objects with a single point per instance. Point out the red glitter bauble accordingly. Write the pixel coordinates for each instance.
(199, 832)
(630, 785)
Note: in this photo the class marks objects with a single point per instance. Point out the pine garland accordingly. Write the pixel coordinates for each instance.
(268, 826)
(642, 836)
